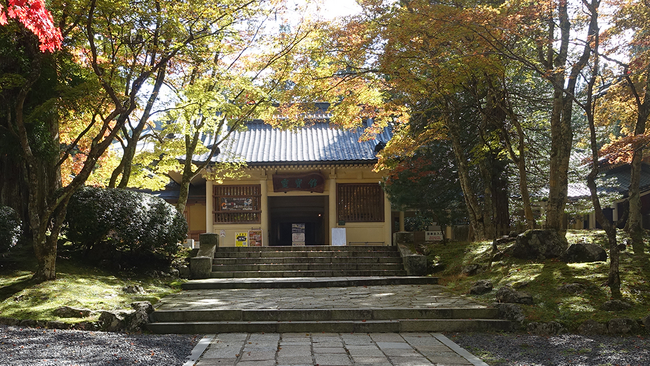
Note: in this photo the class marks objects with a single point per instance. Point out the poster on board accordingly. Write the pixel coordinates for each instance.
(338, 236)
(255, 238)
(298, 234)
(241, 239)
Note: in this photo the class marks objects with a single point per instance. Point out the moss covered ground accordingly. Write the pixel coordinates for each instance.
(542, 280)
(77, 285)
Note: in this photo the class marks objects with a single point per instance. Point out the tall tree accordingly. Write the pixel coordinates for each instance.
(592, 48)
(119, 69)
(416, 56)
(634, 16)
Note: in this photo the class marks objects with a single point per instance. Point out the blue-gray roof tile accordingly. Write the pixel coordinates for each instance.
(319, 142)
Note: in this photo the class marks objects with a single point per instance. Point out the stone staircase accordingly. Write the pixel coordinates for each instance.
(327, 320)
(309, 261)
(317, 289)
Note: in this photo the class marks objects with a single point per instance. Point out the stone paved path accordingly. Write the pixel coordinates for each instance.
(376, 349)
(376, 297)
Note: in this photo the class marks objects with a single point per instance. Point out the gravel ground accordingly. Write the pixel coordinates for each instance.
(570, 349)
(28, 346)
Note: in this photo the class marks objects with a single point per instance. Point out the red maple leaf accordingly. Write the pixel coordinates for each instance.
(35, 17)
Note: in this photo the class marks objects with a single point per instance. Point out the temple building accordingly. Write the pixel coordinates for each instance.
(313, 185)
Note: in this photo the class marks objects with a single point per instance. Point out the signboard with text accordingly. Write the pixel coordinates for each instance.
(298, 234)
(236, 204)
(311, 182)
(255, 238)
(433, 236)
(241, 239)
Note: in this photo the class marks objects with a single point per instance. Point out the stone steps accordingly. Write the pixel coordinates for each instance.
(333, 272)
(307, 261)
(327, 320)
(328, 260)
(273, 267)
(311, 282)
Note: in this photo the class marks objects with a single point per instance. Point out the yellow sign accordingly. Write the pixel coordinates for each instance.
(241, 239)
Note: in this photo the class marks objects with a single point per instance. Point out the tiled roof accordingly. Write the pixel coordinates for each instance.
(320, 142)
(614, 180)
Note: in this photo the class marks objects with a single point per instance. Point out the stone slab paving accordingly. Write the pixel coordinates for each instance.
(375, 297)
(331, 349)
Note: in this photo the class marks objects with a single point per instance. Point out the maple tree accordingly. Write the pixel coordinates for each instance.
(116, 49)
(393, 67)
(629, 97)
(592, 49)
(35, 17)
(214, 92)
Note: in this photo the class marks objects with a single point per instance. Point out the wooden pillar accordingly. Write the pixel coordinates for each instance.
(209, 201)
(333, 219)
(264, 217)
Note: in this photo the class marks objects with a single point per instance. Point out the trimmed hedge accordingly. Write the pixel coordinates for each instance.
(10, 228)
(134, 224)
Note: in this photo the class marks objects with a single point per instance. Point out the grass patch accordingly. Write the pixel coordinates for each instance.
(77, 285)
(542, 280)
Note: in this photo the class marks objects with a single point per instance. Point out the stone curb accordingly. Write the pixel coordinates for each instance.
(458, 349)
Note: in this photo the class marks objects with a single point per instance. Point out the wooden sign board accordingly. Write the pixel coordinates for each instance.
(311, 182)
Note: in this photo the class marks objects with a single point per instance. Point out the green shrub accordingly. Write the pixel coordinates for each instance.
(10, 228)
(126, 226)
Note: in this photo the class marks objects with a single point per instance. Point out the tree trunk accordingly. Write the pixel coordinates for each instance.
(126, 164)
(614, 279)
(474, 209)
(561, 131)
(634, 224)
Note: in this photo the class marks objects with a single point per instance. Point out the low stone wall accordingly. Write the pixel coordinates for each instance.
(201, 265)
(414, 264)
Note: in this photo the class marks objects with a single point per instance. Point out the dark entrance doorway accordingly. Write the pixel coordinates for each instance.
(284, 211)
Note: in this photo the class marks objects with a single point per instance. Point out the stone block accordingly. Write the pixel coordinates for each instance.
(209, 243)
(200, 267)
(414, 264)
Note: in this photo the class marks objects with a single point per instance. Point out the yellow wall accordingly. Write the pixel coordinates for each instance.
(371, 232)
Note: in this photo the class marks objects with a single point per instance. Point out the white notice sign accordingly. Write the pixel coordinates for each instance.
(433, 235)
(338, 237)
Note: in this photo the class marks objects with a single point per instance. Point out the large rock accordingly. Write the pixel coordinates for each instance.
(481, 287)
(71, 312)
(622, 326)
(539, 244)
(572, 288)
(472, 269)
(584, 253)
(113, 321)
(546, 329)
(512, 312)
(615, 305)
(139, 318)
(507, 294)
(127, 320)
(592, 327)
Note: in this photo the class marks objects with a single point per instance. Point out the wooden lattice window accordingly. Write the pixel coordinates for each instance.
(237, 204)
(360, 202)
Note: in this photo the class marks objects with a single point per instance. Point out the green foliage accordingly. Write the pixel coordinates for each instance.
(428, 182)
(10, 228)
(130, 226)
